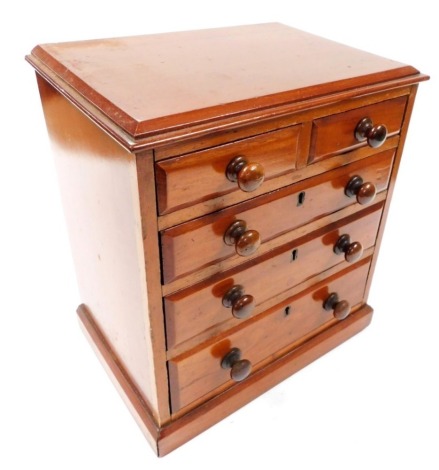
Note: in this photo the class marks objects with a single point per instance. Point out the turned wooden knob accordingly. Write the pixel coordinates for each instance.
(364, 192)
(240, 368)
(375, 135)
(242, 304)
(248, 175)
(246, 241)
(341, 308)
(352, 251)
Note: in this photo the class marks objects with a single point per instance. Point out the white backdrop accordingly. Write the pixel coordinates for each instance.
(371, 403)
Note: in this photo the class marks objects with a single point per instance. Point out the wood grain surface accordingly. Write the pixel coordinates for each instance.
(198, 372)
(200, 176)
(199, 243)
(200, 307)
(336, 134)
(141, 84)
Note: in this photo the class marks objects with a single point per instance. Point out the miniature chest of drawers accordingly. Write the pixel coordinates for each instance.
(225, 192)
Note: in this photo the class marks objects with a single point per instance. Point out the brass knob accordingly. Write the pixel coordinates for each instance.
(375, 135)
(242, 304)
(364, 192)
(248, 175)
(240, 368)
(352, 251)
(246, 241)
(341, 308)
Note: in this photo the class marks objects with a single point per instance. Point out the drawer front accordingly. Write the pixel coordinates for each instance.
(195, 310)
(198, 373)
(200, 243)
(336, 134)
(199, 176)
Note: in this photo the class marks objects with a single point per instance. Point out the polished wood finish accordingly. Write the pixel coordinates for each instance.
(149, 100)
(198, 373)
(303, 113)
(200, 243)
(364, 192)
(248, 175)
(227, 200)
(242, 304)
(128, 389)
(239, 368)
(352, 250)
(375, 135)
(98, 182)
(203, 175)
(341, 308)
(198, 308)
(392, 181)
(336, 134)
(167, 438)
(226, 196)
(246, 242)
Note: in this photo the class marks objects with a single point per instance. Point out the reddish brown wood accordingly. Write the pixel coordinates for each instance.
(239, 368)
(227, 137)
(364, 192)
(150, 255)
(374, 135)
(230, 199)
(146, 97)
(352, 250)
(198, 373)
(199, 243)
(341, 308)
(242, 304)
(245, 241)
(99, 186)
(200, 307)
(336, 134)
(303, 116)
(203, 175)
(120, 377)
(392, 181)
(232, 399)
(169, 437)
(248, 175)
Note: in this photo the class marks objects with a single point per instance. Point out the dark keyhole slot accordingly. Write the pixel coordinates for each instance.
(287, 310)
(300, 199)
(294, 254)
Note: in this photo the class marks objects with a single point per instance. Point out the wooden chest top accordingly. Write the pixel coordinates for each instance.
(147, 85)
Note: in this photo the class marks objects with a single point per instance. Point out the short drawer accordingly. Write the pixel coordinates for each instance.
(336, 133)
(198, 374)
(199, 176)
(201, 307)
(200, 243)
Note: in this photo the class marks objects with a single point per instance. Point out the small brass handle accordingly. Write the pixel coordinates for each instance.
(375, 135)
(341, 308)
(242, 304)
(364, 192)
(248, 175)
(246, 241)
(352, 250)
(239, 368)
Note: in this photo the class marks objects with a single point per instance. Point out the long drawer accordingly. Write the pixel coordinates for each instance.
(198, 373)
(200, 307)
(200, 243)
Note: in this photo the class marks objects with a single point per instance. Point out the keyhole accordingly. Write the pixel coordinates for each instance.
(294, 254)
(301, 198)
(287, 310)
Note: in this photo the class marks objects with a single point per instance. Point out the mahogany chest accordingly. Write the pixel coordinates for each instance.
(226, 192)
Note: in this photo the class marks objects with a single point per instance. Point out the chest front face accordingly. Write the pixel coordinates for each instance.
(226, 193)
